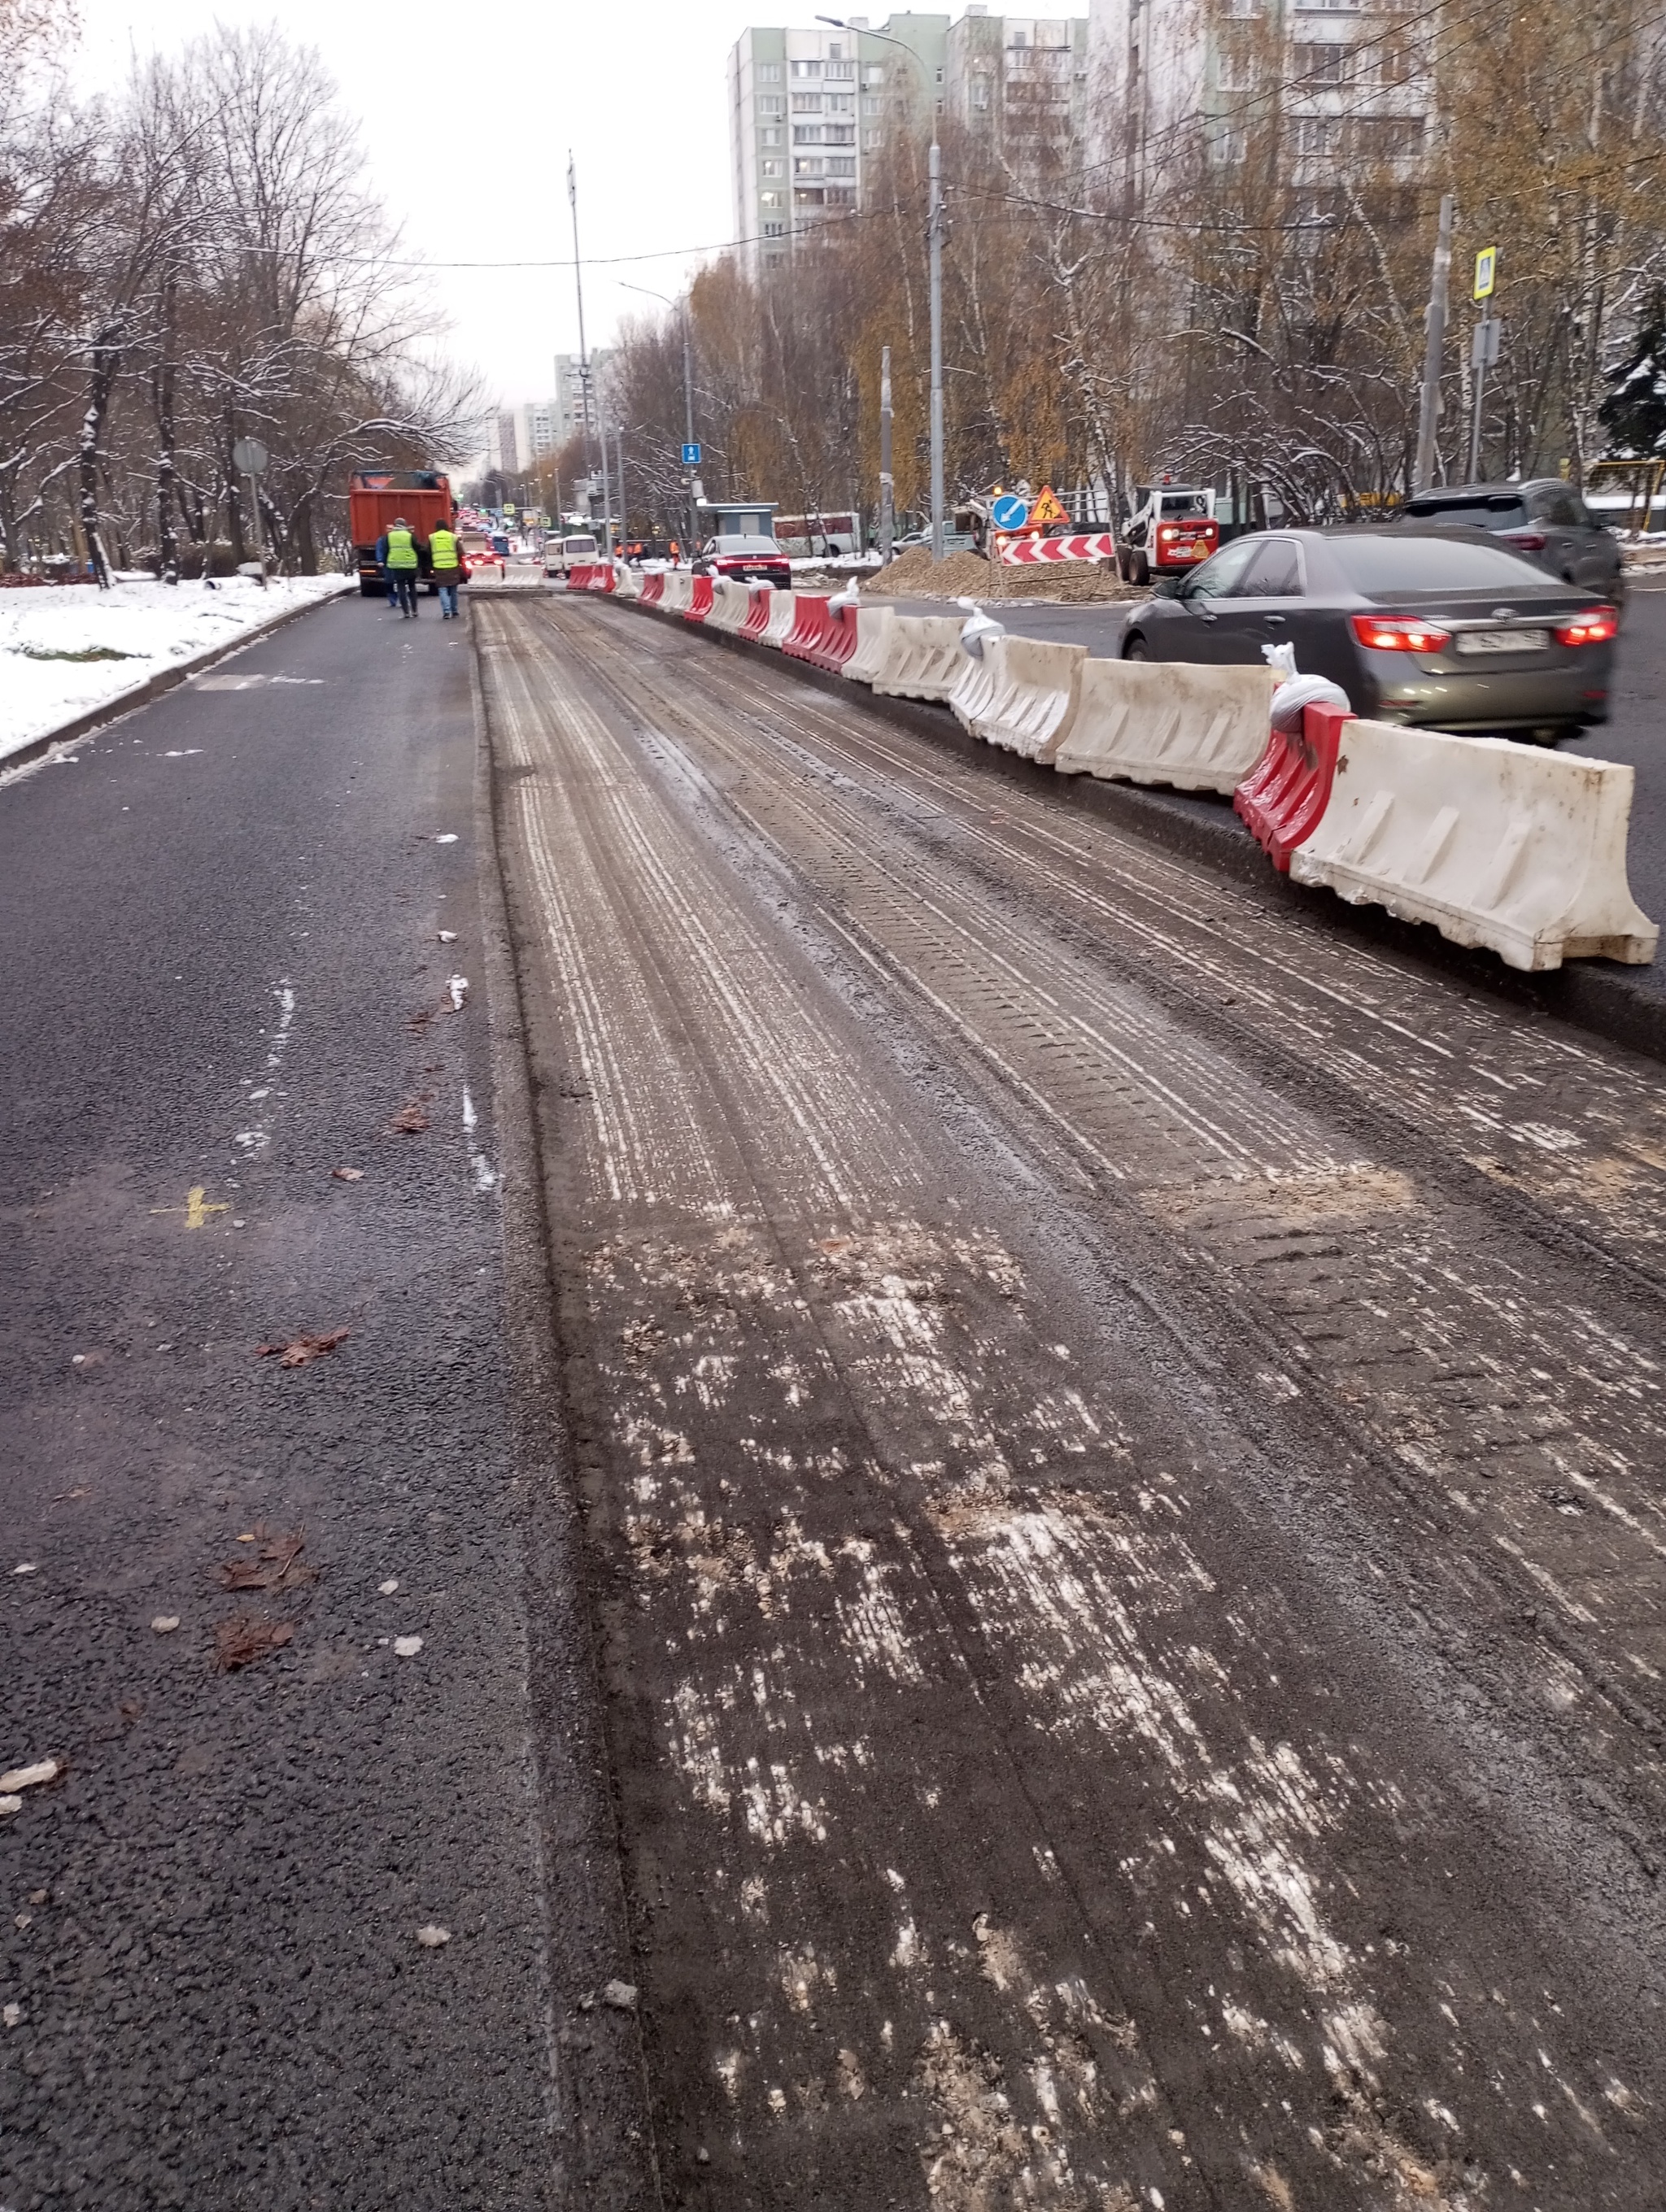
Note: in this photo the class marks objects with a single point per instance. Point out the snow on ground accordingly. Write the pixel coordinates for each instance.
(151, 626)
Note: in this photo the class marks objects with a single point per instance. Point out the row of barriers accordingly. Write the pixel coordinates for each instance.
(1512, 846)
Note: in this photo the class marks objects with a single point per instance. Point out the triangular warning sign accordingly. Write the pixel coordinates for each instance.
(1047, 508)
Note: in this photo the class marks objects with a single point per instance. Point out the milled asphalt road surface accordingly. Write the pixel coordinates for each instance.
(224, 974)
(1031, 1482)
(1120, 1439)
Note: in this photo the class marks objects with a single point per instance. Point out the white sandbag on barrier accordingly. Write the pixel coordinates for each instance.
(730, 602)
(1029, 699)
(1509, 845)
(924, 660)
(872, 643)
(679, 587)
(627, 582)
(1172, 721)
(781, 605)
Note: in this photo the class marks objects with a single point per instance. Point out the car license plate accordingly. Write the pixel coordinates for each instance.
(1502, 641)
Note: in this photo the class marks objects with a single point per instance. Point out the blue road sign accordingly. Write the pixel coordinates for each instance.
(690, 457)
(1010, 512)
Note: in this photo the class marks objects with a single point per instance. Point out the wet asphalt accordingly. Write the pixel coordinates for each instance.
(225, 975)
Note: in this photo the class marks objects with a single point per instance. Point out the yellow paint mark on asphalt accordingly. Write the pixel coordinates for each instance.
(195, 1208)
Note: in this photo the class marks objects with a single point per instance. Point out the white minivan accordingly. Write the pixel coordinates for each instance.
(561, 553)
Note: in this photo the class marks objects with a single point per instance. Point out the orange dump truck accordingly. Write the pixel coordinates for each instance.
(376, 497)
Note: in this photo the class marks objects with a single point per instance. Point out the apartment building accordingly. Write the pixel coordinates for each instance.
(810, 109)
(1344, 85)
(519, 438)
(1021, 84)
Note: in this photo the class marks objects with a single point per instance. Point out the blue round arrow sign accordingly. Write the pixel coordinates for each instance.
(1010, 512)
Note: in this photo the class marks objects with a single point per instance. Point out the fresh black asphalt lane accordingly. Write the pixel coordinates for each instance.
(225, 977)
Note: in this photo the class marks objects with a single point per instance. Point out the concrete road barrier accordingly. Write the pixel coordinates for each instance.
(674, 593)
(1024, 698)
(731, 603)
(1173, 722)
(924, 659)
(872, 643)
(629, 584)
(783, 609)
(1513, 847)
(700, 599)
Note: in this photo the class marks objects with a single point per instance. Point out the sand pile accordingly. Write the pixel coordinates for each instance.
(915, 575)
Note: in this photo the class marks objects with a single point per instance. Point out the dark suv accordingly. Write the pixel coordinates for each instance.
(1544, 518)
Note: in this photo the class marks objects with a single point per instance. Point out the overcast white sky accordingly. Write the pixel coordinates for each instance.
(635, 87)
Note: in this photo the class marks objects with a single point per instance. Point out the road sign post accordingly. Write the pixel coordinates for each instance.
(249, 458)
(1483, 347)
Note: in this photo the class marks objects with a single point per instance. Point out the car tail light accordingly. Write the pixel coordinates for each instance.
(1399, 633)
(1529, 541)
(1594, 626)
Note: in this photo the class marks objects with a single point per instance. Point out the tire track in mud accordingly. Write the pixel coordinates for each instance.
(1008, 1818)
(1514, 1399)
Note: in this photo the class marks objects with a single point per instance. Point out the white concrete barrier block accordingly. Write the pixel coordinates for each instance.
(781, 607)
(1029, 700)
(730, 602)
(679, 588)
(925, 660)
(1172, 722)
(1514, 847)
(872, 643)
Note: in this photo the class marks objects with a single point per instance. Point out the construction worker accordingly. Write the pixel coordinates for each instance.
(402, 563)
(446, 558)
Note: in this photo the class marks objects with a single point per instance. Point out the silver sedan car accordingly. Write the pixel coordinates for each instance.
(1442, 627)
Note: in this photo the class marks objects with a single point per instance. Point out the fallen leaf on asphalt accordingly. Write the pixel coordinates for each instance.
(432, 1938)
(165, 1623)
(31, 1778)
(622, 1996)
(420, 1020)
(245, 1637)
(300, 1350)
(447, 937)
(276, 1565)
(410, 1120)
(348, 1175)
(446, 837)
(407, 1647)
(26, 1567)
(388, 1588)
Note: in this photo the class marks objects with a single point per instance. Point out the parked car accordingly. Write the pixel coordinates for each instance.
(561, 553)
(1439, 626)
(1543, 518)
(745, 560)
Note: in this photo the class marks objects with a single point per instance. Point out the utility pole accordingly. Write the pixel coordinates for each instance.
(607, 499)
(935, 174)
(586, 396)
(618, 456)
(1434, 343)
(887, 489)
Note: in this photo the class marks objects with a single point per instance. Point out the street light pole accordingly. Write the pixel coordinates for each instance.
(1435, 339)
(887, 488)
(584, 396)
(935, 242)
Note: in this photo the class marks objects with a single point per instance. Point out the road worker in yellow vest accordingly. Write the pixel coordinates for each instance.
(403, 562)
(446, 558)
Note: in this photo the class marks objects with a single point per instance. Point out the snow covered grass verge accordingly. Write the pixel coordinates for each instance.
(68, 650)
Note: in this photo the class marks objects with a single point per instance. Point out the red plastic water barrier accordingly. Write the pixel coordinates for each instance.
(757, 613)
(809, 625)
(700, 599)
(1285, 795)
(579, 575)
(602, 577)
(827, 639)
(653, 589)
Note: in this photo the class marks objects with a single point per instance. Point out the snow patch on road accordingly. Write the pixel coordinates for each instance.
(152, 627)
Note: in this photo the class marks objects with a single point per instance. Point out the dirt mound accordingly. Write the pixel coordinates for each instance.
(1076, 582)
(915, 575)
